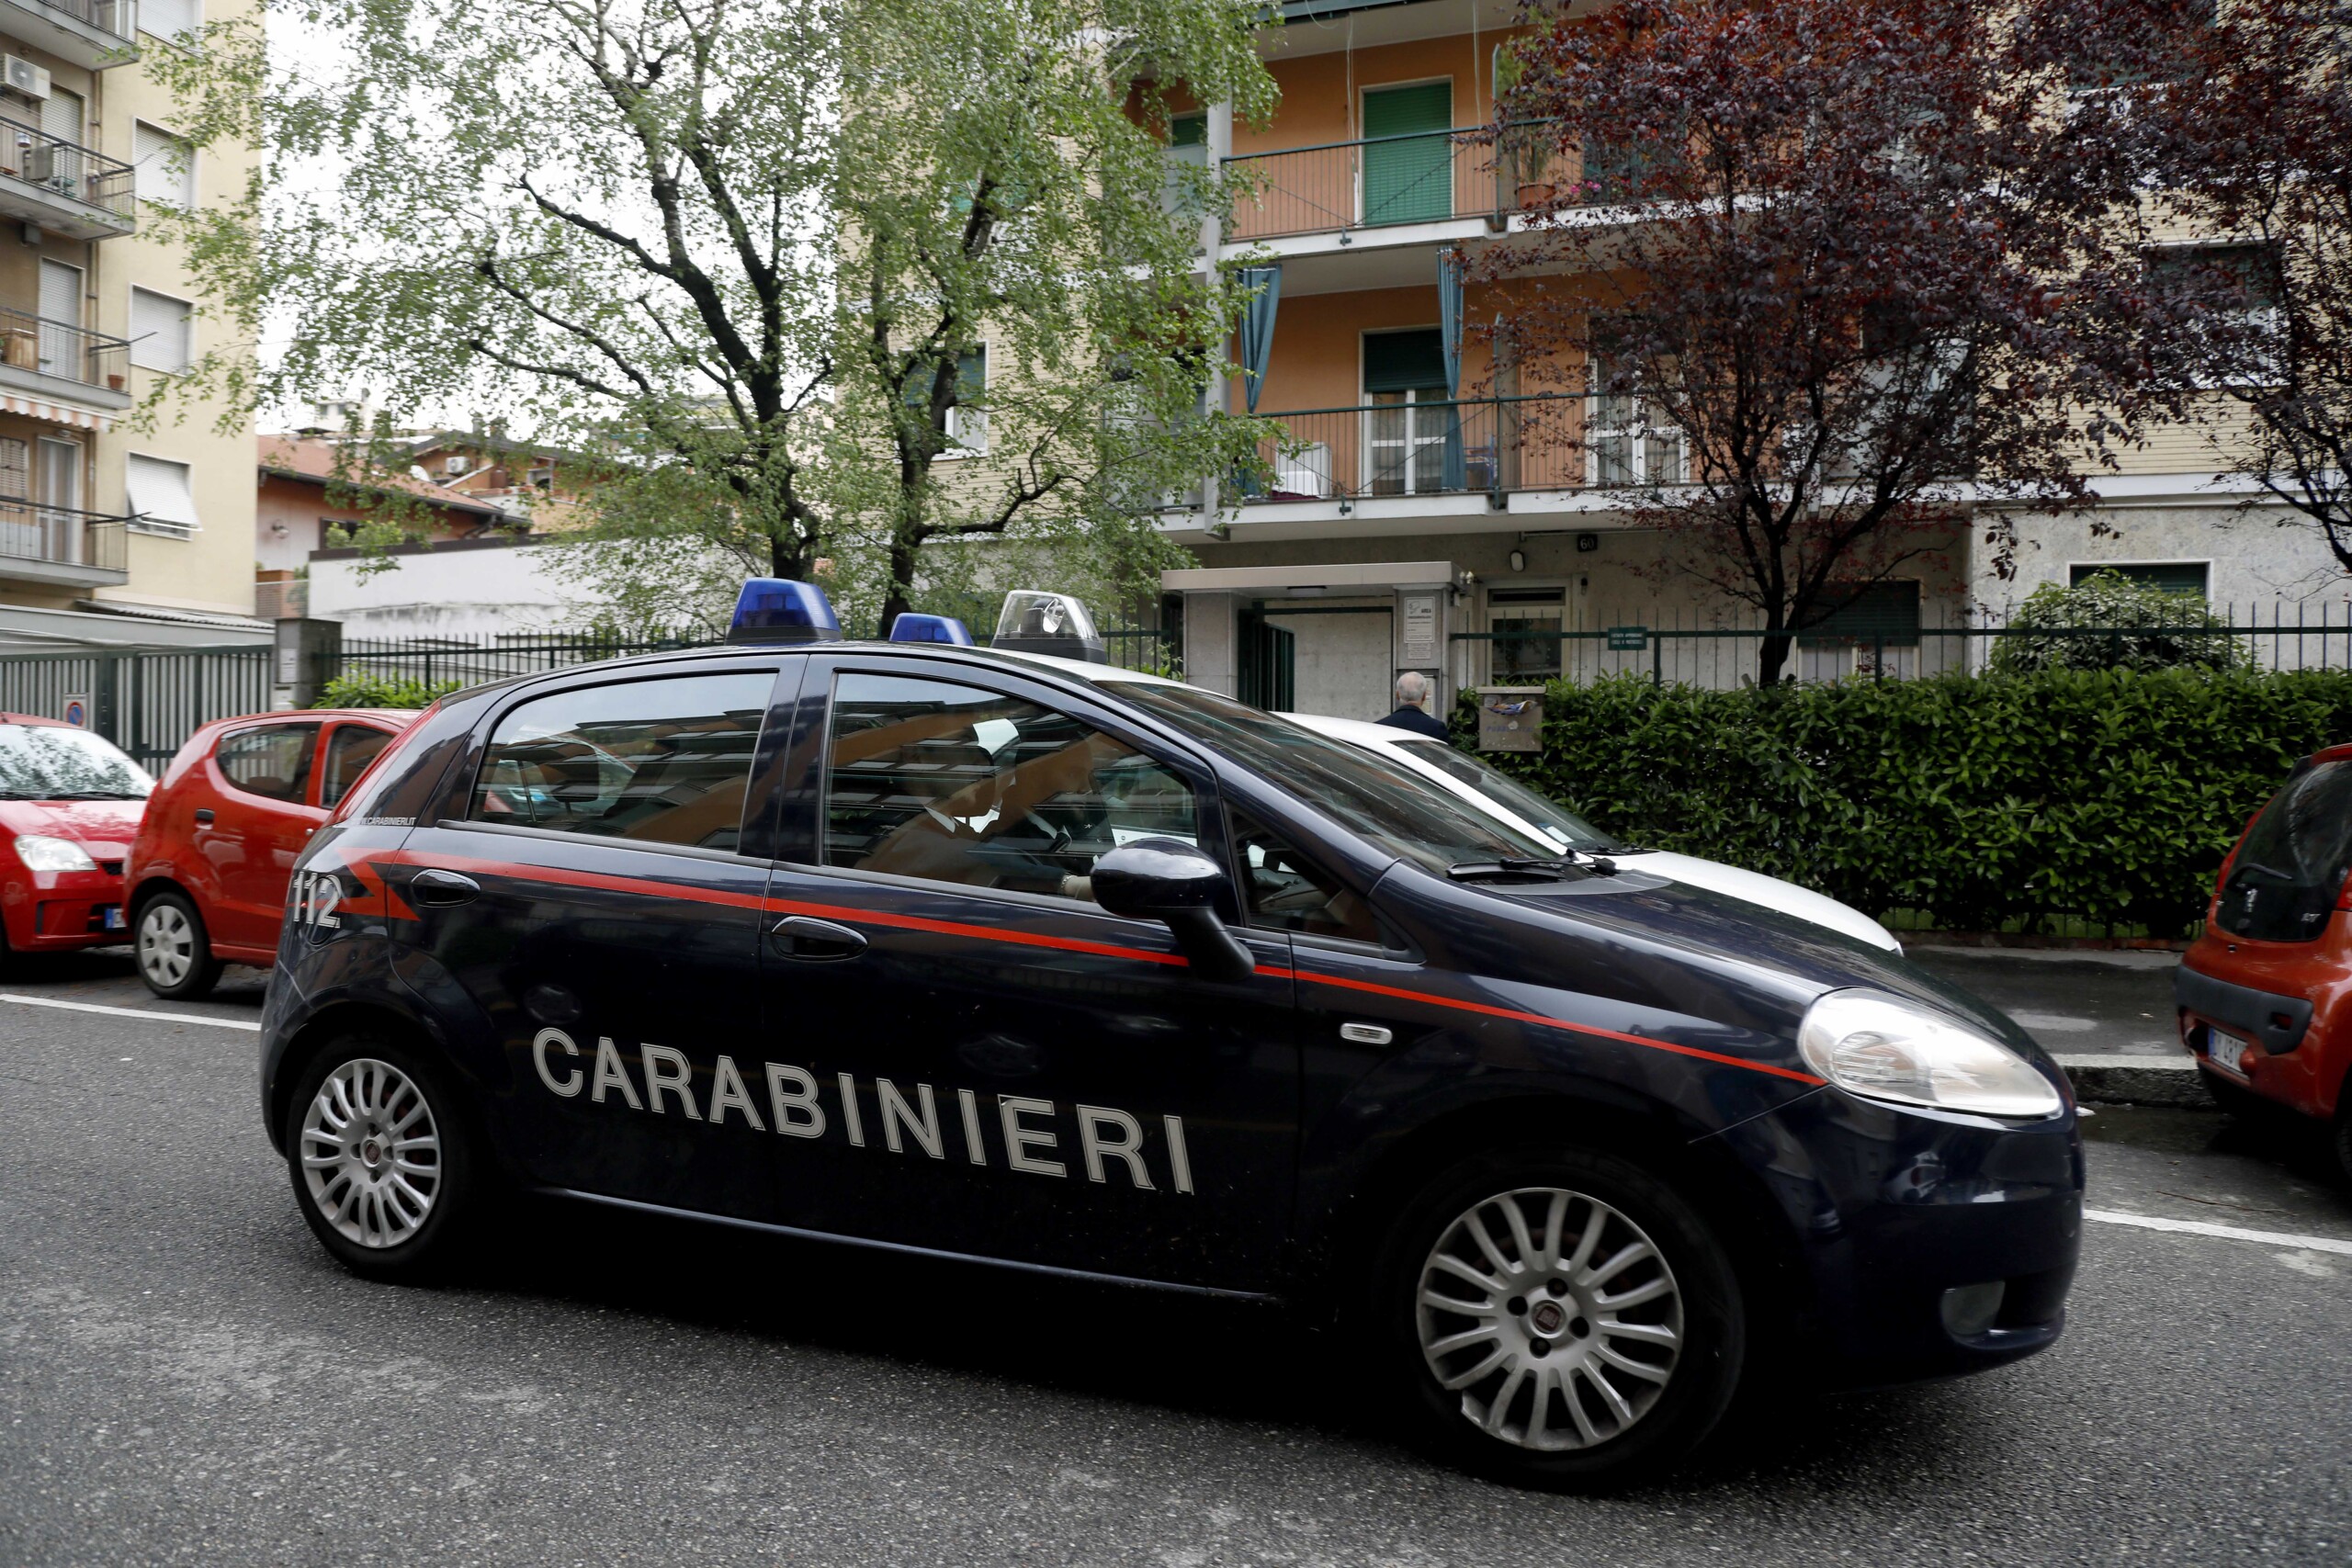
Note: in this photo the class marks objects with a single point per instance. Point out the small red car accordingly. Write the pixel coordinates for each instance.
(70, 803)
(209, 872)
(2266, 993)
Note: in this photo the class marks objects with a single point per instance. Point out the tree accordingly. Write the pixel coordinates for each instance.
(2213, 146)
(2148, 628)
(1798, 270)
(824, 281)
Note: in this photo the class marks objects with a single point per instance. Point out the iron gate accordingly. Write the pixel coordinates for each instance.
(146, 701)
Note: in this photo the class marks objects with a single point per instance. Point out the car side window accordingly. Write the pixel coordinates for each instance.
(951, 782)
(349, 750)
(1286, 891)
(660, 761)
(272, 762)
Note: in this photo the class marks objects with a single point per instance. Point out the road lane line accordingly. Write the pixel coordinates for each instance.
(2226, 1233)
(132, 1012)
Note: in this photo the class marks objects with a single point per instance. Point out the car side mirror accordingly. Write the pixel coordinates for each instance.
(1175, 883)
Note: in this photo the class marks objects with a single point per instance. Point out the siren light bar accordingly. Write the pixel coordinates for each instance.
(776, 609)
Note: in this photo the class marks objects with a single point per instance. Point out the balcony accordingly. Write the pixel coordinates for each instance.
(62, 545)
(93, 34)
(1433, 177)
(1481, 447)
(50, 359)
(67, 190)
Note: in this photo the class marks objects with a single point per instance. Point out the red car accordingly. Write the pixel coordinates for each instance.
(70, 803)
(209, 871)
(2266, 993)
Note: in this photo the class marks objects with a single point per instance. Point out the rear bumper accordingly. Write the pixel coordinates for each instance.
(2272, 1021)
(1904, 1220)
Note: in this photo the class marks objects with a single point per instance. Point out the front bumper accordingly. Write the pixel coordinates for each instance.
(53, 911)
(1898, 1218)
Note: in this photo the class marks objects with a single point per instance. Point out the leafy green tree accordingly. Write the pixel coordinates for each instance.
(2146, 628)
(830, 282)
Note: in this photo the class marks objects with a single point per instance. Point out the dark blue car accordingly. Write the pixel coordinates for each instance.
(1035, 962)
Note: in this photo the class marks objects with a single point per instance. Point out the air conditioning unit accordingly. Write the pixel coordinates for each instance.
(454, 466)
(26, 78)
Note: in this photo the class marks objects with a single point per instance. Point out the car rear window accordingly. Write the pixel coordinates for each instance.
(2291, 868)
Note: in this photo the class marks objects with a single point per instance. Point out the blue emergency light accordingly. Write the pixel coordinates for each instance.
(776, 609)
(912, 628)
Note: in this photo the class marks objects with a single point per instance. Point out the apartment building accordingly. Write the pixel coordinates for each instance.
(108, 535)
(1431, 511)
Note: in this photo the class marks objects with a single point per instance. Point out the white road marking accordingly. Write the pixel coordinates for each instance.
(132, 1012)
(2226, 1233)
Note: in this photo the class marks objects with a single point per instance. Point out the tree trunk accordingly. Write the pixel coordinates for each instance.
(897, 603)
(1773, 659)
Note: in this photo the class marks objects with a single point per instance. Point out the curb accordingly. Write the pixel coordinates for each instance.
(2138, 1080)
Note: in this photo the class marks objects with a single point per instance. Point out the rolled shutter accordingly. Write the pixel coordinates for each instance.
(1398, 362)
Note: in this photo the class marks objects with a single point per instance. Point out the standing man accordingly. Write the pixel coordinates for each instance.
(1412, 690)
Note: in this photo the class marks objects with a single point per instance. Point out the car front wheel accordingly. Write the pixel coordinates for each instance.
(1560, 1318)
(175, 955)
(383, 1164)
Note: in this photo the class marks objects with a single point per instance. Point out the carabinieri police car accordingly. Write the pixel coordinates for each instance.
(999, 956)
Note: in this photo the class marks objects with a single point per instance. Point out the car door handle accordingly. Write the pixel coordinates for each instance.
(204, 816)
(442, 890)
(797, 936)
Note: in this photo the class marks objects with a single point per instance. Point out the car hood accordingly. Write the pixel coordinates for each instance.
(105, 828)
(1769, 891)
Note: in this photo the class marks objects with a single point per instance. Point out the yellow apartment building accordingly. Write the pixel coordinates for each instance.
(108, 535)
(1430, 508)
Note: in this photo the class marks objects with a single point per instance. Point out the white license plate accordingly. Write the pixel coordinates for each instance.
(112, 918)
(2222, 1047)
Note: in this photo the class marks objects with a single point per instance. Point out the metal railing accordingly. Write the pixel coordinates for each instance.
(1435, 448)
(119, 17)
(31, 157)
(55, 348)
(64, 535)
(1425, 176)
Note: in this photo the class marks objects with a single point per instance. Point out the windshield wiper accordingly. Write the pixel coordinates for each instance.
(1578, 863)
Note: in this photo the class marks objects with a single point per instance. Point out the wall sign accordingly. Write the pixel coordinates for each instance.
(1420, 643)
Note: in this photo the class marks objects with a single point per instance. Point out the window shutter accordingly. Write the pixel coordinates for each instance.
(159, 495)
(1396, 362)
(1883, 611)
(168, 19)
(163, 165)
(160, 332)
(2184, 578)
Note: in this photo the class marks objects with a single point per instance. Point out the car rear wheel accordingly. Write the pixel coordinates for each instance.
(383, 1161)
(175, 955)
(1559, 1318)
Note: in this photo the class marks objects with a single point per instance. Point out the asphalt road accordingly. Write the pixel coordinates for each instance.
(184, 1377)
(2076, 1001)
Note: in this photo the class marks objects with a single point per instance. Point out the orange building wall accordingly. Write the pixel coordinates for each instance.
(1322, 94)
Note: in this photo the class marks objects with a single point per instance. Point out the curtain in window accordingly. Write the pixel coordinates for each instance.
(1449, 315)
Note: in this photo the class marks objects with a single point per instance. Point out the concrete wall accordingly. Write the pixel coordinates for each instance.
(452, 593)
(2266, 559)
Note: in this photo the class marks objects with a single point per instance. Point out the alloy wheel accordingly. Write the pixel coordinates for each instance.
(372, 1154)
(1554, 1317)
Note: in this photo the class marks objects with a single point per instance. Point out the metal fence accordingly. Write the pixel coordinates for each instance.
(147, 701)
(1674, 644)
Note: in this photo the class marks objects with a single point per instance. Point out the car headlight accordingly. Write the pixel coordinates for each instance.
(1880, 1047)
(41, 853)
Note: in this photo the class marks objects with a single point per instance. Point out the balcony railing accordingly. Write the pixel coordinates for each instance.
(53, 348)
(118, 17)
(1429, 177)
(63, 535)
(1463, 447)
(32, 156)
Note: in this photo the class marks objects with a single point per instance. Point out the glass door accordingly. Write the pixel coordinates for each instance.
(60, 491)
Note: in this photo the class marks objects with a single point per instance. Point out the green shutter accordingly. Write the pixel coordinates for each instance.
(1409, 181)
(1884, 612)
(1188, 131)
(1401, 362)
(2184, 578)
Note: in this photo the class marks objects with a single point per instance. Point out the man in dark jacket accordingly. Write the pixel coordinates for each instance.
(1412, 690)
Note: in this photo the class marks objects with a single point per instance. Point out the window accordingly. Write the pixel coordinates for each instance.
(968, 424)
(2231, 325)
(2184, 578)
(1408, 153)
(162, 336)
(163, 167)
(1532, 658)
(171, 20)
(272, 762)
(354, 746)
(159, 494)
(662, 761)
(1628, 449)
(1407, 425)
(1188, 148)
(1288, 892)
(1880, 619)
(953, 784)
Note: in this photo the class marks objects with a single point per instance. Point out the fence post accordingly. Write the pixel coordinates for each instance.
(1878, 660)
(104, 699)
(1658, 656)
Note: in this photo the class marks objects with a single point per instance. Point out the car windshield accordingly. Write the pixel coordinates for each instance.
(2291, 869)
(1405, 815)
(48, 762)
(1568, 830)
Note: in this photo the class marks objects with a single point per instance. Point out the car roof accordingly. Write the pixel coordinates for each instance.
(1075, 669)
(35, 719)
(1361, 732)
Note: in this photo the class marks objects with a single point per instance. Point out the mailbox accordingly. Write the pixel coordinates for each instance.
(1510, 718)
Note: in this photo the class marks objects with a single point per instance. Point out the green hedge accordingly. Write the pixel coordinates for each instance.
(382, 692)
(2108, 796)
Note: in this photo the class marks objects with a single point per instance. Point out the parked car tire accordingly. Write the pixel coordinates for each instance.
(172, 948)
(2342, 1142)
(1558, 1318)
(384, 1162)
